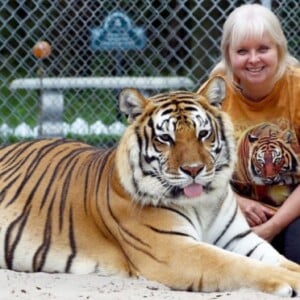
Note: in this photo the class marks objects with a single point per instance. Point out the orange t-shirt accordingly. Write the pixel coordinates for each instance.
(267, 134)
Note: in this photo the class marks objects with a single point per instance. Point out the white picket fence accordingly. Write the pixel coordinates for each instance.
(79, 126)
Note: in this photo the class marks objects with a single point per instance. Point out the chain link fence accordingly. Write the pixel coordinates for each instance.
(113, 39)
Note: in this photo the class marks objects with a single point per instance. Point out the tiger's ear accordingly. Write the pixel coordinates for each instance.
(214, 90)
(131, 103)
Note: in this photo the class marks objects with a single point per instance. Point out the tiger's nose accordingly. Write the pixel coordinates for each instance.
(193, 171)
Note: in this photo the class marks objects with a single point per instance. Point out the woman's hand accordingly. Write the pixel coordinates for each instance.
(264, 221)
(255, 212)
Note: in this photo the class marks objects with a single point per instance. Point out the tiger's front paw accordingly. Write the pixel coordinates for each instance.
(285, 290)
(289, 265)
(284, 283)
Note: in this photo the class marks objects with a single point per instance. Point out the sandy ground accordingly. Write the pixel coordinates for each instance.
(41, 286)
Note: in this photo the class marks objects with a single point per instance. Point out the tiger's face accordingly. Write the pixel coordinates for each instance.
(270, 162)
(179, 147)
(272, 159)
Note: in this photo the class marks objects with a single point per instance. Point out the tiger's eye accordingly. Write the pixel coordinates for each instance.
(203, 133)
(164, 139)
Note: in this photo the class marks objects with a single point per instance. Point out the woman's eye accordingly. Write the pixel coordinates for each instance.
(263, 49)
(241, 51)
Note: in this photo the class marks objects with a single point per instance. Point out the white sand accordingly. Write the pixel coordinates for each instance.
(41, 286)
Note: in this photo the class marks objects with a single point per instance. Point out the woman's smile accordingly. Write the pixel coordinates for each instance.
(254, 62)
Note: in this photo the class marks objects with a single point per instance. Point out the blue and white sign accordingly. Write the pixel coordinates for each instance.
(118, 33)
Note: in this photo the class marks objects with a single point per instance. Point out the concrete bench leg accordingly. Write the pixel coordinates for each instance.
(51, 113)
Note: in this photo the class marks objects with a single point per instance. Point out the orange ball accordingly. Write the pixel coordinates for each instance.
(41, 49)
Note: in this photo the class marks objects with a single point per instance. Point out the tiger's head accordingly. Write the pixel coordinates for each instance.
(271, 157)
(178, 148)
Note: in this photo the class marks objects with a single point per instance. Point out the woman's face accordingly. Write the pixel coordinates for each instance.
(254, 61)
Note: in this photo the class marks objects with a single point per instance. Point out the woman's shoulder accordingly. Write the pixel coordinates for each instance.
(293, 72)
(291, 81)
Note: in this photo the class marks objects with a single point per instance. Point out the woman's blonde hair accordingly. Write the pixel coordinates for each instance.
(253, 21)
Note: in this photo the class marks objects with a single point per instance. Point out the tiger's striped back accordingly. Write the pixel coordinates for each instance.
(45, 208)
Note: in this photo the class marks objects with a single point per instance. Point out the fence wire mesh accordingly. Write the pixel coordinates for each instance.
(168, 38)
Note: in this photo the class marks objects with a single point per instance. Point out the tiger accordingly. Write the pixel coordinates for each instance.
(269, 163)
(158, 205)
(272, 159)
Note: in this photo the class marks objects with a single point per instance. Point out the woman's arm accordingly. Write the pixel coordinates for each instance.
(286, 214)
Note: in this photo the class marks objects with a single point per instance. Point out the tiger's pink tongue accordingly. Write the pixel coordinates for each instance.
(193, 190)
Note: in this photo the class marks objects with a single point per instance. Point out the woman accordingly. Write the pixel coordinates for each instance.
(263, 100)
